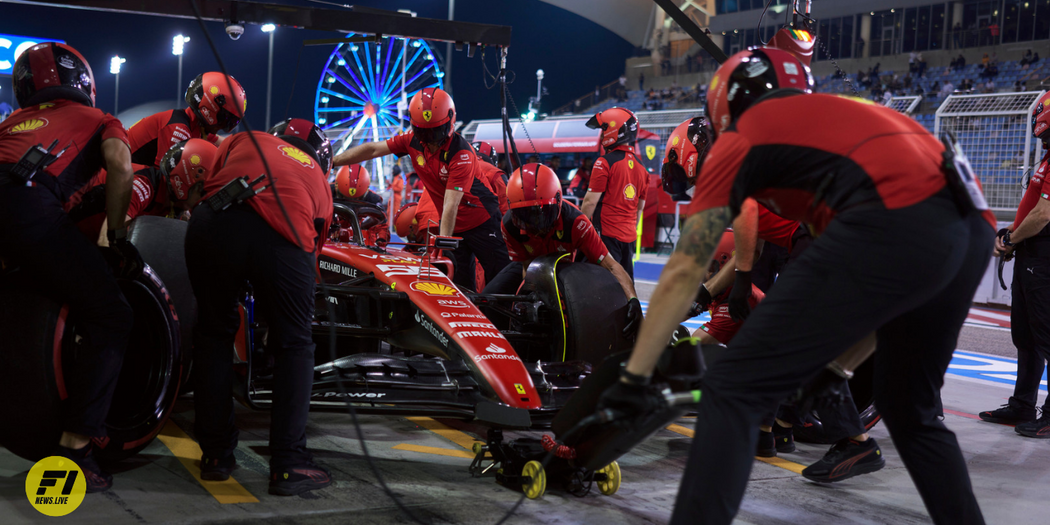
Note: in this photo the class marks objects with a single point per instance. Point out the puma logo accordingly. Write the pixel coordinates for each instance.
(1030, 271)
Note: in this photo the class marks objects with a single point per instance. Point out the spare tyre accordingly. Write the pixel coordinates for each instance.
(38, 335)
(160, 241)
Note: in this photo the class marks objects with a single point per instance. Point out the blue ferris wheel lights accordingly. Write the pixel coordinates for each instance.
(324, 100)
(341, 62)
(415, 43)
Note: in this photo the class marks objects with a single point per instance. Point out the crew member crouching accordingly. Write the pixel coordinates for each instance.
(252, 240)
(352, 185)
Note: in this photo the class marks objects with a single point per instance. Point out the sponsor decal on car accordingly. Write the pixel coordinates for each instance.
(400, 269)
(459, 314)
(461, 324)
(496, 349)
(519, 388)
(433, 289)
(337, 268)
(450, 303)
(486, 357)
(365, 395)
(398, 260)
(479, 333)
(434, 331)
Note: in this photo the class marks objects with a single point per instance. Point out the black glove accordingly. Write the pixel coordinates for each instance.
(124, 259)
(703, 298)
(628, 401)
(634, 318)
(827, 389)
(739, 308)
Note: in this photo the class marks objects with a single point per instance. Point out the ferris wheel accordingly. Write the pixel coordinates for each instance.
(364, 89)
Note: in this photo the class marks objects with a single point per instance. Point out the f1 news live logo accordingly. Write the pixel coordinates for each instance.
(55, 486)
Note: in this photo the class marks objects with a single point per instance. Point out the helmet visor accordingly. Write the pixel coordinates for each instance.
(535, 219)
(435, 136)
(673, 175)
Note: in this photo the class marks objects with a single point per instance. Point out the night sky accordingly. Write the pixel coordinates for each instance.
(575, 54)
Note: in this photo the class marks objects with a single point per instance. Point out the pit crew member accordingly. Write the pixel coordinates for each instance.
(541, 223)
(351, 184)
(55, 90)
(397, 190)
(1028, 238)
(841, 173)
(212, 107)
(495, 176)
(615, 198)
(168, 191)
(253, 241)
(448, 167)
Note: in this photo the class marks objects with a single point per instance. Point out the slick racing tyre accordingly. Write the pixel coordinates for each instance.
(39, 335)
(160, 241)
(595, 309)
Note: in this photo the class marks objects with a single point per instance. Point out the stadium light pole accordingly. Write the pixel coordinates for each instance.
(448, 51)
(114, 68)
(269, 28)
(177, 45)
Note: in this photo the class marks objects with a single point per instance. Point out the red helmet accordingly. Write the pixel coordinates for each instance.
(352, 181)
(52, 71)
(486, 152)
(618, 125)
(725, 250)
(686, 149)
(747, 76)
(534, 196)
(187, 165)
(306, 136)
(433, 115)
(210, 99)
(1041, 119)
(405, 221)
(798, 42)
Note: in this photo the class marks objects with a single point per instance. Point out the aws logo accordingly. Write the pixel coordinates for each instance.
(630, 192)
(297, 155)
(29, 125)
(433, 289)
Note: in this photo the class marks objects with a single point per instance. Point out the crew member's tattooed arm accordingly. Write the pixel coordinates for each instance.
(677, 287)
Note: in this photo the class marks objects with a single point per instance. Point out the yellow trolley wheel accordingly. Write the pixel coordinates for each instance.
(477, 447)
(535, 488)
(612, 479)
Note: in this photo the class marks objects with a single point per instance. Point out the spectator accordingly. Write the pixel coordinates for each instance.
(641, 82)
(993, 33)
(953, 64)
(913, 63)
(907, 81)
(985, 60)
(936, 86)
(554, 163)
(887, 98)
(532, 159)
(921, 65)
(860, 77)
(1020, 86)
(875, 70)
(947, 88)
(622, 92)
(597, 94)
(961, 62)
(994, 59)
(989, 87)
(1027, 59)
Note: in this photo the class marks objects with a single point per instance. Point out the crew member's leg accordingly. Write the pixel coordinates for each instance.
(217, 245)
(1033, 331)
(621, 252)
(486, 243)
(507, 280)
(913, 353)
(855, 278)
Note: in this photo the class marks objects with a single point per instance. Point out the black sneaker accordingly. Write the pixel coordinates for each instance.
(785, 439)
(767, 447)
(97, 480)
(217, 469)
(1008, 415)
(846, 459)
(1039, 428)
(289, 481)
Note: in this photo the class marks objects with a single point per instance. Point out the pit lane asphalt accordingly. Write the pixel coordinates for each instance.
(1010, 475)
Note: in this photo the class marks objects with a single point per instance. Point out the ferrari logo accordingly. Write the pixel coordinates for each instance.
(528, 248)
(434, 289)
(195, 159)
(519, 388)
(650, 151)
(630, 164)
(427, 114)
(560, 234)
(420, 161)
(29, 125)
(629, 192)
(353, 191)
(297, 155)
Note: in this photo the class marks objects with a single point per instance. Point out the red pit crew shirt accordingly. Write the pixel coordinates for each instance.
(453, 167)
(1033, 194)
(572, 232)
(623, 182)
(722, 326)
(81, 128)
(149, 196)
(849, 151)
(304, 190)
(152, 137)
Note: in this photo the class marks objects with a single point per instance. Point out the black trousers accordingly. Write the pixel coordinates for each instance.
(223, 251)
(621, 252)
(507, 281)
(486, 243)
(865, 273)
(1030, 323)
(60, 262)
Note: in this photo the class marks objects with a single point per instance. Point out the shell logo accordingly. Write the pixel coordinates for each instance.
(630, 192)
(630, 164)
(612, 124)
(674, 141)
(195, 159)
(46, 105)
(297, 155)
(420, 161)
(214, 90)
(244, 107)
(714, 84)
(434, 289)
(29, 125)
(427, 114)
